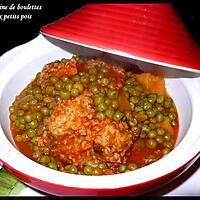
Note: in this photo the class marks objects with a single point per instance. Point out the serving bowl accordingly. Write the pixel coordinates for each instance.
(19, 66)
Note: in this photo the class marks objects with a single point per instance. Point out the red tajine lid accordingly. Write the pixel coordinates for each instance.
(151, 32)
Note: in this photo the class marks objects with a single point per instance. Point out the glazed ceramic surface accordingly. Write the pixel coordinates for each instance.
(19, 66)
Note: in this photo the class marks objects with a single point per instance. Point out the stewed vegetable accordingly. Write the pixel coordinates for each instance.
(88, 116)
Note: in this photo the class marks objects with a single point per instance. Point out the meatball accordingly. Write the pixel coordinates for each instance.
(71, 115)
(86, 140)
(58, 68)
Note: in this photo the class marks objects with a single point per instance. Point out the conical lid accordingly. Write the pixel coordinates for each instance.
(147, 32)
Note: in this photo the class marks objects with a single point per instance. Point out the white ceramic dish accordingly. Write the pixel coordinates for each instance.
(19, 66)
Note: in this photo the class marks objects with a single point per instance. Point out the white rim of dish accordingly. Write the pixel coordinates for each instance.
(178, 157)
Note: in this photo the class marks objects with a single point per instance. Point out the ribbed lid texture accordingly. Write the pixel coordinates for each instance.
(149, 31)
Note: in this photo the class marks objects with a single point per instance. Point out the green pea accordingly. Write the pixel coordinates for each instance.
(34, 142)
(76, 78)
(152, 120)
(94, 89)
(108, 101)
(65, 95)
(126, 88)
(114, 104)
(129, 81)
(132, 122)
(22, 120)
(109, 112)
(168, 144)
(36, 155)
(104, 69)
(167, 136)
(92, 70)
(159, 117)
(33, 102)
(20, 112)
(52, 165)
(33, 124)
(97, 172)
(150, 113)
(27, 126)
(102, 106)
(145, 129)
(92, 78)
(31, 133)
(132, 166)
(128, 115)
(98, 100)
(147, 106)
(152, 134)
(67, 167)
(59, 85)
(11, 109)
(152, 98)
(46, 121)
(160, 131)
(100, 116)
(45, 111)
(167, 103)
(83, 74)
(39, 97)
(88, 170)
(84, 79)
(13, 117)
(38, 75)
(134, 99)
(151, 143)
(152, 125)
(73, 169)
(29, 91)
(47, 100)
(105, 81)
(45, 159)
(53, 79)
(74, 92)
(68, 86)
(78, 86)
(160, 108)
(21, 126)
(38, 116)
(24, 106)
(18, 138)
(102, 166)
(173, 123)
(160, 99)
(102, 92)
(166, 150)
(172, 115)
(118, 116)
(65, 78)
(37, 90)
(46, 150)
(138, 109)
(112, 93)
(159, 139)
(35, 148)
(100, 75)
(122, 168)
